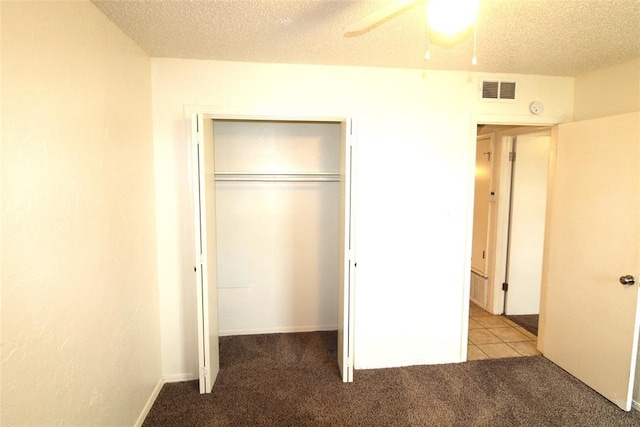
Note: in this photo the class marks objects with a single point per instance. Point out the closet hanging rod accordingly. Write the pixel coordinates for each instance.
(277, 177)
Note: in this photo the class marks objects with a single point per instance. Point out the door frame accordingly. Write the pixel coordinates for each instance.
(347, 330)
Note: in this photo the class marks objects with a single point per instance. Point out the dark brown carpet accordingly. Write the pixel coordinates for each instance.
(293, 380)
(527, 321)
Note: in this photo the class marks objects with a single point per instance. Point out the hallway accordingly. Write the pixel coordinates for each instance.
(494, 337)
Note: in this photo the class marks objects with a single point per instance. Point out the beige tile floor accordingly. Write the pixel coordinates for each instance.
(493, 337)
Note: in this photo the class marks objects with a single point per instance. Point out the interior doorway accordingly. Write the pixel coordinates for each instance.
(508, 235)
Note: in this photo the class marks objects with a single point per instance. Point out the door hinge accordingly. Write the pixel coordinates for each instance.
(505, 286)
(351, 127)
(512, 156)
(483, 254)
(204, 372)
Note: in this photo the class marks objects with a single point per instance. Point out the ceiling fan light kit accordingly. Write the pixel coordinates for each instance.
(451, 17)
(446, 19)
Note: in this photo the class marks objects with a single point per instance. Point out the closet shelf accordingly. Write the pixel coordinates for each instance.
(277, 177)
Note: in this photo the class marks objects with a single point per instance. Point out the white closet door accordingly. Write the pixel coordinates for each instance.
(346, 271)
(205, 262)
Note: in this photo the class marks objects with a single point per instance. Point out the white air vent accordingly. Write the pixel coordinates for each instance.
(498, 90)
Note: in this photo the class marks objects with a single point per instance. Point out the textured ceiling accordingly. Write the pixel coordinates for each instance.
(549, 37)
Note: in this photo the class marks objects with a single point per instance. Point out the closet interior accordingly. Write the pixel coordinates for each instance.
(277, 201)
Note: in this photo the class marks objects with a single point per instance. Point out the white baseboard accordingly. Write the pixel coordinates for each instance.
(149, 404)
(176, 378)
(277, 330)
(635, 405)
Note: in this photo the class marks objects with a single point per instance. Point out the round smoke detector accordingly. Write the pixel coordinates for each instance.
(536, 107)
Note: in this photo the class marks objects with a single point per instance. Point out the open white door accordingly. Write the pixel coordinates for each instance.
(346, 269)
(527, 225)
(591, 322)
(481, 207)
(205, 263)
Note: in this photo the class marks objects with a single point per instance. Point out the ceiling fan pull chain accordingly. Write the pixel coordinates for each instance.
(427, 54)
(474, 60)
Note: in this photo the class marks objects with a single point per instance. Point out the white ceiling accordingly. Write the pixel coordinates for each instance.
(549, 37)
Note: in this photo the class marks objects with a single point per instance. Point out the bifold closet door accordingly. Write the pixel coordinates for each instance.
(346, 280)
(205, 245)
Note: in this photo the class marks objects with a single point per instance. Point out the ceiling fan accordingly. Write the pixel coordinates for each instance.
(380, 16)
(444, 17)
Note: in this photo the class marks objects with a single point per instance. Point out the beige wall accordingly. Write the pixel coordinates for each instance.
(415, 136)
(608, 91)
(80, 336)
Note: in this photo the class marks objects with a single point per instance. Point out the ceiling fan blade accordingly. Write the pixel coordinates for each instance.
(379, 16)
